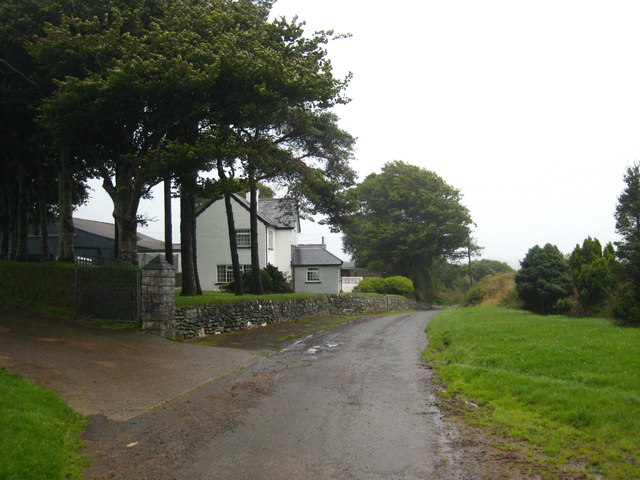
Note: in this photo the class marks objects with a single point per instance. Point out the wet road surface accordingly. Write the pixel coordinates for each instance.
(352, 402)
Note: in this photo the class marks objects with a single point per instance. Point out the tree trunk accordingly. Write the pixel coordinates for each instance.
(127, 232)
(194, 248)
(4, 217)
(168, 226)
(11, 206)
(422, 282)
(256, 278)
(125, 195)
(43, 217)
(65, 207)
(125, 213)
(233, 240)
(233, 246)
(22, 217)
(190, 281)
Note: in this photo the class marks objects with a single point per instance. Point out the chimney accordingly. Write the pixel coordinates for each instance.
(248, 196)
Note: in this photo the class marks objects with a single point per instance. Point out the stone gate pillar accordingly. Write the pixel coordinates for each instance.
(157, 297)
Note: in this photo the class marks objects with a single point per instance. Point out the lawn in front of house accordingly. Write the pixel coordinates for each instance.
(209, 296)
(567, 388)
(39, 433)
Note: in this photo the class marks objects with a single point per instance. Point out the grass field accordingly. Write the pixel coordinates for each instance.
(39, 436)
(568, 388)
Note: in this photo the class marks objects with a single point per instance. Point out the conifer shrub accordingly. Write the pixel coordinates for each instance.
(543, 279)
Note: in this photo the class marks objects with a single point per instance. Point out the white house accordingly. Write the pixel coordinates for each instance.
(278, 229)
(310, 267)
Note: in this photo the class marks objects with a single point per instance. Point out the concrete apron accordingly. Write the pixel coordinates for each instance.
(116, 373)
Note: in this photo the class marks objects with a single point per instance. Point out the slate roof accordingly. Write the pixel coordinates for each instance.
(282, 211)
(108, 230)
(313, 255)
(279, 213)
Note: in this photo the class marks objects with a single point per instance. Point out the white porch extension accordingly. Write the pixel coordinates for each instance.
(349, 283)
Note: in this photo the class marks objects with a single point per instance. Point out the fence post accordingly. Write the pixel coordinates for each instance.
(157, 297)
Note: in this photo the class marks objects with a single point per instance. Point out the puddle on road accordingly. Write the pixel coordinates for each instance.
(321, 348)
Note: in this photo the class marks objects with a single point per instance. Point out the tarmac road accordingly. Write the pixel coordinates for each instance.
(352, 402)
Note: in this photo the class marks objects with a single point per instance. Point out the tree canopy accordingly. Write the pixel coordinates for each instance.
(627, 217)
(407, 218)
(485, 267)
(141, 91)
(595, 273)
(543, 279)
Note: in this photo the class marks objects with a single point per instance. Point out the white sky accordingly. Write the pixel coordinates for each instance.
(531, 109)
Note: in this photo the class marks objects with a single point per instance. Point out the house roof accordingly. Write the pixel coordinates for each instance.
(279, 213)
(282, 211)
(313, 255)
(108, 230)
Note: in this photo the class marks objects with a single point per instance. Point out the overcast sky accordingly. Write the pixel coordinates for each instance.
(530, 109)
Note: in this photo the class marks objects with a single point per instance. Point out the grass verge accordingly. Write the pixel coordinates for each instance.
(40, 433)
(568, 388)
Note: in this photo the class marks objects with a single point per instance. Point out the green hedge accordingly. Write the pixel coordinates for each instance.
(43, 286)
(392, 285)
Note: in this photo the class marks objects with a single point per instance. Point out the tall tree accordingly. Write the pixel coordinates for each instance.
(594, 270)
(543, 279)
(407, 219)
(142, 76)
(627, 217)
(281, 124)
(26, 161)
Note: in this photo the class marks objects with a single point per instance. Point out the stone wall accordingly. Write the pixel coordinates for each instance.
(201, 320)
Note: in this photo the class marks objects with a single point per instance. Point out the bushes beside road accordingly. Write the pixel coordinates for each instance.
(391, 285)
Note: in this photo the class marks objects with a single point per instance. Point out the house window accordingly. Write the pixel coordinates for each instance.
(270, 239)
(313, 275)
(225, 272)
(243, 237)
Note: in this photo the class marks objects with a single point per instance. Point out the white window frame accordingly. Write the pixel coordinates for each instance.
(313, 275)
(270, 239)
(227, 272)
(243, 237)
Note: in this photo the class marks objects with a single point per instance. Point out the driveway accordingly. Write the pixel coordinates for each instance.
(116, 373)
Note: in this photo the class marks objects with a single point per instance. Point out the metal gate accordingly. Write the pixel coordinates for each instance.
(108, 292)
